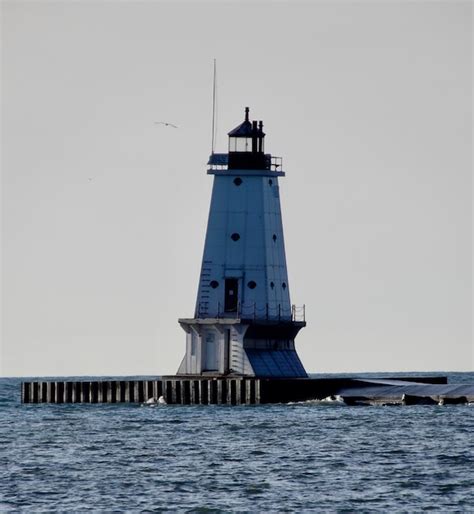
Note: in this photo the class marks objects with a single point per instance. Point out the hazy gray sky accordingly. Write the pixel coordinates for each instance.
(104, 213)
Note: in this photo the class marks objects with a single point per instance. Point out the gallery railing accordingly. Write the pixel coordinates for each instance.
(220, 162)
(253, 311)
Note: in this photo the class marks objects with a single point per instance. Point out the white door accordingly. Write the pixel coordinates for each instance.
(211, 362)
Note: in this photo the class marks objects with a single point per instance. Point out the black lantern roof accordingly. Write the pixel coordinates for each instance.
(244, 129)
(247, 128)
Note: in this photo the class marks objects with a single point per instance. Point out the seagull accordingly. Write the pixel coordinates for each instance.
(165, 123)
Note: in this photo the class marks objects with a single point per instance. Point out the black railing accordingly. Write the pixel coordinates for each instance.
(268, 312)
(220, 162)
(276, 163)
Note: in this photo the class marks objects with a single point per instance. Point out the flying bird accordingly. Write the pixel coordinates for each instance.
(165, 123)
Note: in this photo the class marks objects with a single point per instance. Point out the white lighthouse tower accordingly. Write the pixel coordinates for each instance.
(244, 322)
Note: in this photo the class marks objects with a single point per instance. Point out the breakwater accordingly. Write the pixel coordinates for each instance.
(218, 390)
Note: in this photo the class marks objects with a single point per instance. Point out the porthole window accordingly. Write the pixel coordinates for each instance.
(284, 285)
(270, 181)
(252, 284)
(272, 285)
(235, 236)
(274, 237)
(214, 284)
(237, 181)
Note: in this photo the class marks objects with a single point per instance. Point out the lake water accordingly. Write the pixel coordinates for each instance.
(297, 457)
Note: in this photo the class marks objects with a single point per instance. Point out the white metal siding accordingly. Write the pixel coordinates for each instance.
(251, 210)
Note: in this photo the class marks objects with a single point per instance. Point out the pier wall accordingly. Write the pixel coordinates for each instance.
(184, 391)
(218, 390)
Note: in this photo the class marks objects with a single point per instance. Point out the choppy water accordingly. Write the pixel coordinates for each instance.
(300, 457)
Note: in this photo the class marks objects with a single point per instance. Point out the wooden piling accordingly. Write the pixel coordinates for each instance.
(136, 392)
(100, 392)
(194, 392)
(203, 386)
(156, 392)
(94, 392)
(220, 391)
(257, 391)
(177, 391)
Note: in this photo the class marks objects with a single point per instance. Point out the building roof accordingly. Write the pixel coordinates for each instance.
(275, 363)
(244, 129)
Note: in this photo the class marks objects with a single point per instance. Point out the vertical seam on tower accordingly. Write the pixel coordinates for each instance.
(264, 189)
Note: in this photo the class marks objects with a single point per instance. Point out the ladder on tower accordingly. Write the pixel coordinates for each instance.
(203, 300)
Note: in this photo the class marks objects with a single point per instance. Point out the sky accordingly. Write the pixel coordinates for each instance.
(104, 212)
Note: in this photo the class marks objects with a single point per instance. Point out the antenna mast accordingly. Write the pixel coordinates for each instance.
(214, 109)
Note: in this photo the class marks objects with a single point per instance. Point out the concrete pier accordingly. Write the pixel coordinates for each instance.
(186, 390)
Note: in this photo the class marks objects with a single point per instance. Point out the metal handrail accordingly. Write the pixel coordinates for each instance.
(273, 163)
(263, 312)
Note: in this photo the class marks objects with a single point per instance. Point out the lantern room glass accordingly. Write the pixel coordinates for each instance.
(240, 144)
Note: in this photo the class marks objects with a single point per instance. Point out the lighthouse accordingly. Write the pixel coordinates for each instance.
(244, 322)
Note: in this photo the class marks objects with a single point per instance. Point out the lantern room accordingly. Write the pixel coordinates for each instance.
(246, 145)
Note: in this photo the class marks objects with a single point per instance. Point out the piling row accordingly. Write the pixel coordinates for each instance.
(219, 391)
